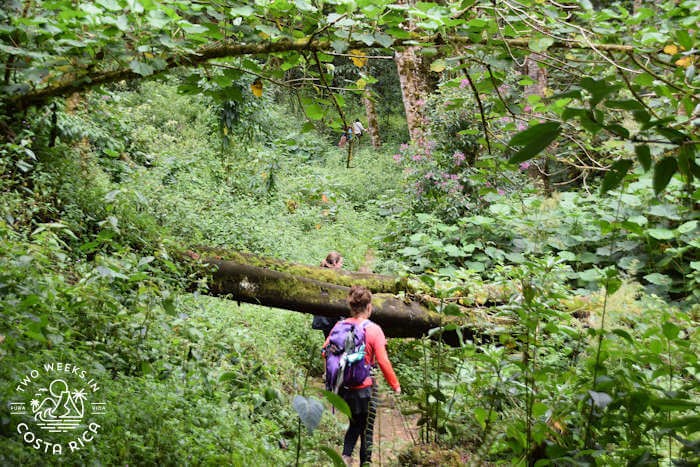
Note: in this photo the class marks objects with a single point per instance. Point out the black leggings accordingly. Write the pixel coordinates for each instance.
(363, 404)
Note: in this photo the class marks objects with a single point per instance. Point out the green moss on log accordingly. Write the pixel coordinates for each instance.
(377, 283)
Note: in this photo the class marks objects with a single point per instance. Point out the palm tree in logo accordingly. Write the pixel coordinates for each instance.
(35, 405)
(78, 397)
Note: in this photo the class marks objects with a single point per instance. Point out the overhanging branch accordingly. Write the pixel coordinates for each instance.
(41, 96)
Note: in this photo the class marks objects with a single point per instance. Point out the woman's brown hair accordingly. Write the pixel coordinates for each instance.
(358, 299)
(331, 260)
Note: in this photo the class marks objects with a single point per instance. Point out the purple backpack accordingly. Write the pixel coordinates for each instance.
(345, 356)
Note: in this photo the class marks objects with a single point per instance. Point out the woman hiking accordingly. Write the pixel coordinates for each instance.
(323, 323)
(362, 397)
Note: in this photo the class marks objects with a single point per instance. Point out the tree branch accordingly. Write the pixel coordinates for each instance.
(71, 85)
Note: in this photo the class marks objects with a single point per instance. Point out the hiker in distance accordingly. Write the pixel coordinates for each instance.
(323, 323)
(358, 129)
(353, 348)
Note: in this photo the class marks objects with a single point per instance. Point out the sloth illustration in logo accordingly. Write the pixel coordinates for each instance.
(61, 404)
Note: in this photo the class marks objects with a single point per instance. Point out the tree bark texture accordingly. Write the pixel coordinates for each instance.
(414, 88)
(538, 74)
(372, 122)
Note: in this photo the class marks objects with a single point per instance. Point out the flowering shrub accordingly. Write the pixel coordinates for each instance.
(435, 180)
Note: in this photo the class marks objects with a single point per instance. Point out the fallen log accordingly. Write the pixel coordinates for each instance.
(399, 317)
(377, 283)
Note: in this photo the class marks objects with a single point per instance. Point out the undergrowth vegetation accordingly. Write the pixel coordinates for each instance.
(592, 300)
(89, 230)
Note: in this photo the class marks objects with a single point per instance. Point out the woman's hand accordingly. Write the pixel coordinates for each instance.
(398, 390)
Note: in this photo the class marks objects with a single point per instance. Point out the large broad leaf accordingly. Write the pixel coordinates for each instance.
(309, 410)
(686, 158)
(628, 104)
(383, 39)
(338, 402)
(663, 171)
(335, 457)
(538, 144)
(643, 156)
(598, 89)
(688, 227)
(674, 404)
(600, 399)
(533, 140)
(670, 330)
(659, 279)
(533, 133)
(615, 175)
(540, 44)
(143, 69)
(660, 234)
(314, 111)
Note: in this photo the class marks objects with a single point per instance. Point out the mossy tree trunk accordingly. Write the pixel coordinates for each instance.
(414, 88)
(377, 283)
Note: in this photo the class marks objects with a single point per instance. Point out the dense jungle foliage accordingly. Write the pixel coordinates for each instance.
(537, 174)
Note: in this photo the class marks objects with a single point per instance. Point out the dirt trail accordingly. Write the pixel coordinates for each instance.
(392, 432)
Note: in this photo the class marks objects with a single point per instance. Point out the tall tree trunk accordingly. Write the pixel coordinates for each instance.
(538, 74)
(372, 123)
(415, 87)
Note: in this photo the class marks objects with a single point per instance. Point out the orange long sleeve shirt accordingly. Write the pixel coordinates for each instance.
(375, 351)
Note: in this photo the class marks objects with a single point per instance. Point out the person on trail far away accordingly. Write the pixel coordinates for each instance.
(323, 323)
(352, 350)
(358, 129)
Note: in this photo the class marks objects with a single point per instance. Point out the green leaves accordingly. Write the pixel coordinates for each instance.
(143, 69)
(314, 111)
(598, 89)
(663, 171)
(244, 11)
(673, 404)
(600, 399)
(659, 279)
(533, 140)
(670, 330)
(112, 5)
(309, 410)
(643, 156)
(338, 402)
(540, 44)
(614, 176)
(660, 234)
(334, 457)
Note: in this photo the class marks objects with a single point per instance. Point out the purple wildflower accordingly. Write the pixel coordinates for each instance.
(524, 165)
